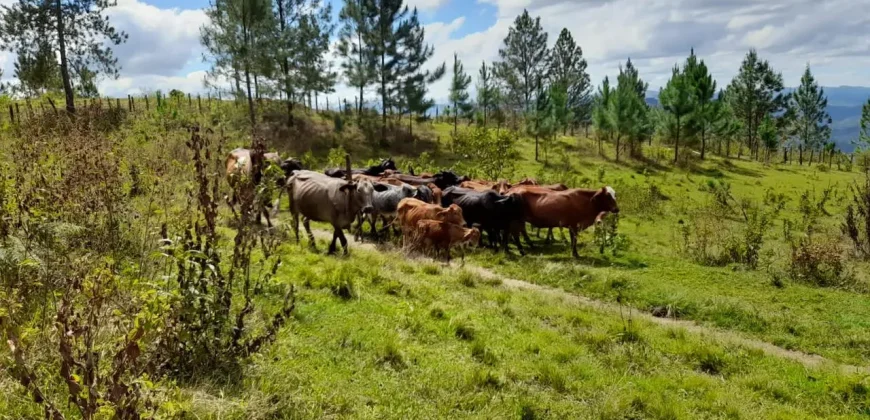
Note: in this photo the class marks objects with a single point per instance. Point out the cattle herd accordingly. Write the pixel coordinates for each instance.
(436, 211)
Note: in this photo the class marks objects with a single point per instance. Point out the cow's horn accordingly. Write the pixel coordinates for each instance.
(347, 175)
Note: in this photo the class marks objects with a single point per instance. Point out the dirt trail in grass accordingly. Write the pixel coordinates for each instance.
(723, 337)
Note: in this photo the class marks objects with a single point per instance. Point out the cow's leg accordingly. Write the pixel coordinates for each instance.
(311, 242)
(515, 234)
(573, 232)
(341, 238)
(526, 236)
(373, 223)
(296, 225)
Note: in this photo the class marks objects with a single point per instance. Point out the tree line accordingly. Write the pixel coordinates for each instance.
(282, 49)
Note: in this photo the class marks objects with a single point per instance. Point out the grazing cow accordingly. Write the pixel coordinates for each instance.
(576, 208)
(239, 163)
(443, 179)
(442, 235)
(385, 203)
(324, 199)
(412, 210)
(500, 216)
(376, 170)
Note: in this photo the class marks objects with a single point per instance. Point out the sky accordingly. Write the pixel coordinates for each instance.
(832, 36)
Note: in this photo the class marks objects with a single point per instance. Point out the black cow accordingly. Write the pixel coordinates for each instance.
(376, 170)
(500, 216)
(443, 179)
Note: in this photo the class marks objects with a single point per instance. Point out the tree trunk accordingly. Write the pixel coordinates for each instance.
(251, 112)
(536, 143)
(801, 154)
(64, 63)
(785, 155)
(812, 153)
(703, 143)
(455, 117)
(676, 143)
(617, 146)
(383, 91)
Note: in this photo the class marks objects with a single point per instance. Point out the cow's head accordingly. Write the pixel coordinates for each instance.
(470, 237)
(446, 179)
(360, 195)
(528, 181)
(388, 164)
(291, 165)
(604, 200)
(409, 191)
(502, 186)
(452, 214)
(423, 193)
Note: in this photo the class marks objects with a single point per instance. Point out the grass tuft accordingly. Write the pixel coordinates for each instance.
(482, 353)
(463, 329)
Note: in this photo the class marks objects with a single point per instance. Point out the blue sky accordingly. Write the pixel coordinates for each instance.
(164, 52)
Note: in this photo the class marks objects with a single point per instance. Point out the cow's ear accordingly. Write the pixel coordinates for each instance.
(348, 187)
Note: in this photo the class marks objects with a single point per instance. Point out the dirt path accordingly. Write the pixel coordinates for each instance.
(720, 336)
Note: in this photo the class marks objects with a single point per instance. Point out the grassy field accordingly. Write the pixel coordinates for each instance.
(381, 334)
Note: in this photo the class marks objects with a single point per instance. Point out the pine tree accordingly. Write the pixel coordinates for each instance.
(458, 95)
(358, 58)
(485, 91)
(864, 135)
(524, 60)
(315, 71)
(237, 34)
(37, 71)
(706, 110)
(628, 109)
(568, 69)
(677, 99)
(82, 36)
(297, 61)
(755, 92)
(812, 124)
(601, 113)
(414, 79)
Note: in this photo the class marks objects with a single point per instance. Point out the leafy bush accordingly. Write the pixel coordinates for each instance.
(607, 237)
(856, 223)
(493, 156)
(818, 262)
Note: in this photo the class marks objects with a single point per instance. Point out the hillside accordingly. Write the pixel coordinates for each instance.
(727, 290)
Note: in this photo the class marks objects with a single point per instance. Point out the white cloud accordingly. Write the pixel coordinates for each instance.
(426, 5)
(162, 41)
(137, 85)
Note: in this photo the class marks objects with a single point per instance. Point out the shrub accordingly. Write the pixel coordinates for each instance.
(606, 236)
(493, 155)
(818, 262)
(856, 223)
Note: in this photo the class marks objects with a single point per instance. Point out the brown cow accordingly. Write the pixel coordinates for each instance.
(528, 181)
(502, 186)
(412, 210)
(442, 235)
(436, 194)
(552, 187)
(477, 185)
(576, 208)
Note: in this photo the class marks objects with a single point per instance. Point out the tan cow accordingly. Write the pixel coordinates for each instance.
(442, 235)
(411, 211)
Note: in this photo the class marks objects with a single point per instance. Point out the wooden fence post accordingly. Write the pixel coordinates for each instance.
(189, 103)
(18, 112)
(11, 115)
(147, 105)
(118, 103)
(199, 102)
